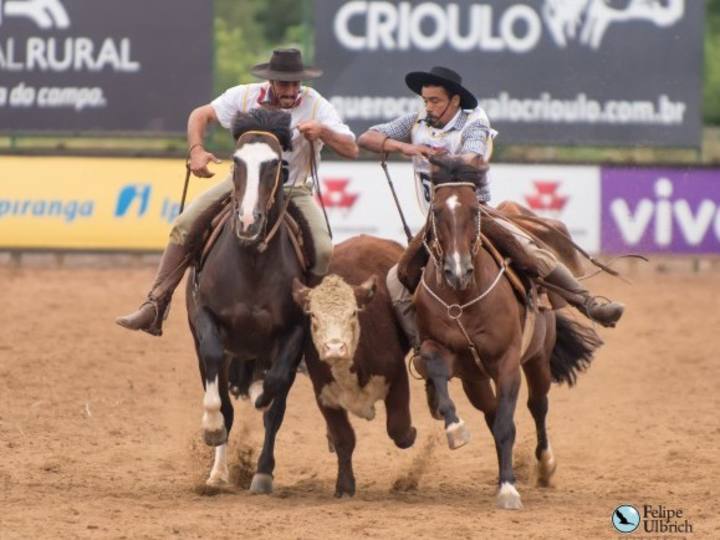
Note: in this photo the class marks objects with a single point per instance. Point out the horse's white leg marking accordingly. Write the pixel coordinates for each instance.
(220, 474)
(457, 435)
(545, 467)
(508, 497)
(253, 155)
(255, 391)
(213, 423)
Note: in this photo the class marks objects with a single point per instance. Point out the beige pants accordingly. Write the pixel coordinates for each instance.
(301, 196)
(546, 260)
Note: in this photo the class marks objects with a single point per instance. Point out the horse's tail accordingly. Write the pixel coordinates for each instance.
(573, 351)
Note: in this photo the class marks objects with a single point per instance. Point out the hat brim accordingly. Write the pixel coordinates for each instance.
(417, 79)
(263, 71)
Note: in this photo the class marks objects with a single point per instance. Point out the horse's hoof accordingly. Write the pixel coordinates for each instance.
(545, 467)
(215, 437)
(508, 497)
(407, 440)
(235, 391)
(457, 435)
(218, 480)
(261, 483)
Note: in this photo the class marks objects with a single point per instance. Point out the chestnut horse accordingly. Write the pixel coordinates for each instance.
(471, 326)
(240, 304)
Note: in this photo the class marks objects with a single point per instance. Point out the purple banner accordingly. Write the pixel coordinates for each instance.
(660, 210)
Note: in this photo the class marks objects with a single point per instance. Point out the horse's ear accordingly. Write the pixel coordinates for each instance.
(365, 292)
(300, 294)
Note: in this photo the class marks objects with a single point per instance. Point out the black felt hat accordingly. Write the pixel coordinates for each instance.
(445, 77)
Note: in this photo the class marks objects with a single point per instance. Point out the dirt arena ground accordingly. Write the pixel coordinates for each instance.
(99, 430)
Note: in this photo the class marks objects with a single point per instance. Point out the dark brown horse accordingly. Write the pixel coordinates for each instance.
(240, 305)
(471, 324)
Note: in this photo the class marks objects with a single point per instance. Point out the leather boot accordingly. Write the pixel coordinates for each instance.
(402, 302)
(606, 313)
(151, 314)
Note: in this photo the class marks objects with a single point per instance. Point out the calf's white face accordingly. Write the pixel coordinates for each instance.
(333, 307)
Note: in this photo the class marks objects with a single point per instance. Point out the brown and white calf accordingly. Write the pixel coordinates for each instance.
(359, 348)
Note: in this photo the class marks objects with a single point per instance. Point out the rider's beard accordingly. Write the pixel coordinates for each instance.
(432, 121)
(286, 102)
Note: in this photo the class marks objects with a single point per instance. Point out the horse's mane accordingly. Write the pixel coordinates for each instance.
(276, 122)
(449, 169)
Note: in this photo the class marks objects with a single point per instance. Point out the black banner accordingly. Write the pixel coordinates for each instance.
(595, 72)
(103, 65)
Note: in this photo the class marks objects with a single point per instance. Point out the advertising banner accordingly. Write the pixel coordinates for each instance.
(131, 66)
(129, 204)
(568, 194)
(546, 71)
(91, 203)
(358, 198)
(660, 210)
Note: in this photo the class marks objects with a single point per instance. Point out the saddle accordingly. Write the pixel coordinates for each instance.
(293, 221)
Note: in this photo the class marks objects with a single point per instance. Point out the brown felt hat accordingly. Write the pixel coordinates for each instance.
(286, 65)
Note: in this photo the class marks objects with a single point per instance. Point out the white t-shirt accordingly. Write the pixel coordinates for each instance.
(310, 106)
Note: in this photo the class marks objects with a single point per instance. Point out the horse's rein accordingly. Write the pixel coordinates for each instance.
(455, 311)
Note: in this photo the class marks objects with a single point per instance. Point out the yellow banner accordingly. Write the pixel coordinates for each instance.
(92, 203)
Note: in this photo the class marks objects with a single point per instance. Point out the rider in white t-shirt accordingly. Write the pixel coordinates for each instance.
(313, 119)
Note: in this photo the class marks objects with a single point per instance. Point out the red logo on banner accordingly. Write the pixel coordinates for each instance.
(546, 197)
(335, 194)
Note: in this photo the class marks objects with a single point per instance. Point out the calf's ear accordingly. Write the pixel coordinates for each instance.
(365, 292)
(300, 294)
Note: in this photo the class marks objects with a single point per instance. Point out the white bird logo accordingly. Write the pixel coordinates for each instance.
(46, 14)
(587, 20)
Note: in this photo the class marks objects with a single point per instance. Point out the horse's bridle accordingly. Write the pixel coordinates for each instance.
(271, 200)
(434, 248)
(456, 311)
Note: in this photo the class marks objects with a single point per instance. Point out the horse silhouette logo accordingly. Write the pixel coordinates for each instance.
(626, 518)
(129, 194)
(46, 14)
(588, 20)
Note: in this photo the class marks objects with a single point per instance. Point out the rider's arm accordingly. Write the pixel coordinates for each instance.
(330, 129)
(394, 137)
(198, 121)
(477, 144)
(343, 143)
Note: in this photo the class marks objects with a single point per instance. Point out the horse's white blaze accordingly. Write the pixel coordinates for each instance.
(253, 155)
(212, 417)
(458, 268)
(220, 474)
(452, 203)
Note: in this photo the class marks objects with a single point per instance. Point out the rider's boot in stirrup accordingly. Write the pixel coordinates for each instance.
(606, 313)
(151, 314)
